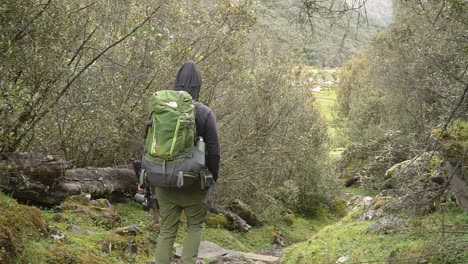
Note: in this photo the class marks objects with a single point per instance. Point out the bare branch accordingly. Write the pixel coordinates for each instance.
(33, 118)
(21, 33)
(81, 46)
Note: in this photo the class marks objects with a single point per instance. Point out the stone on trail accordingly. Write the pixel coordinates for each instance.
(57, 235)
(78, 230)
(367, 201)
(388, 224)
(209, 251)
(263, 258)
(342, 259)
(128, 230)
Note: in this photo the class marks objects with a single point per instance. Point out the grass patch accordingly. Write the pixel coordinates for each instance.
(420, 243)
(294, 230)
(326, 103)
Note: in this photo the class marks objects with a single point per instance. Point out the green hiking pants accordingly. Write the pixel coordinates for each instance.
(171, 205)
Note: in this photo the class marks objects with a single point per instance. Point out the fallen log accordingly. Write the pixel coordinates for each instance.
(246, 213)
(234, 218)
(47, 179)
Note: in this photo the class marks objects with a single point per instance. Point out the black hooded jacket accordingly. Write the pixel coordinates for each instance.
(189, 79)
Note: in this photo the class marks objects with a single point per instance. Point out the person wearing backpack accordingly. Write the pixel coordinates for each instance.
(176, 193)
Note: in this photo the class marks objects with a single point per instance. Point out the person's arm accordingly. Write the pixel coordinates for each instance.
(212, 145)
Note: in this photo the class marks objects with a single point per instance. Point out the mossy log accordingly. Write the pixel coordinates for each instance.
(232, 217)
(246, 213)
(47, 179)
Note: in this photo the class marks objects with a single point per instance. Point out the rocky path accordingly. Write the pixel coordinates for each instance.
(210, 253)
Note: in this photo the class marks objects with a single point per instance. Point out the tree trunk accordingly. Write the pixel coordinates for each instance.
(47, 179)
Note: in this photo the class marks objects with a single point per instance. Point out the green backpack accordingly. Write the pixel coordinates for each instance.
(170, 158)
(172, 132)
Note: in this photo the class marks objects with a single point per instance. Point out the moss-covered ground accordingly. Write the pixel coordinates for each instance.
(18, 224)
(45, 235)
(27, 236)
(293, 229)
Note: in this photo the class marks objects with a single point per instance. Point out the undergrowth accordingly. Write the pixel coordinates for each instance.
(58, 243)
(438, 238)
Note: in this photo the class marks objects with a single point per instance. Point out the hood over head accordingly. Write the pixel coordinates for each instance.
(189, 79)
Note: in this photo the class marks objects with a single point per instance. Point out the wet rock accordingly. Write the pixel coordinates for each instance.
(367, 201)
(128, 230)
(342, 259)
(370, 215)
(411, 180)
(263, 258)
(101, 203)
(388, 224)
(207, 250)
(78, 230)
(213, 254)
(230, 260)
(57, 235)
(374, 207)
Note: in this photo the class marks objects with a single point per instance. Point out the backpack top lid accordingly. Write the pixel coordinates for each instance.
(172, 131)
(179, 101)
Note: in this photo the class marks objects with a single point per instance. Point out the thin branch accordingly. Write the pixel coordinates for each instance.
(20, 34)
(35, 118)
(83, 8)
(81, 46)
(97, 57)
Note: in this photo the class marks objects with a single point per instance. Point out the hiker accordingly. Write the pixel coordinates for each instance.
(192, 201)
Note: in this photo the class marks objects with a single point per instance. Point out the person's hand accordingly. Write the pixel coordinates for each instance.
(140, 189)
(209, 198)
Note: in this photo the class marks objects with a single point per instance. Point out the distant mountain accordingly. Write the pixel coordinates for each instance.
(380, 11)
(322, 43)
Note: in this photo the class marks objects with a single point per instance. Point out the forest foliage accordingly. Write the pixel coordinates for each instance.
(413, 78)
(405, 101)
(77, 75)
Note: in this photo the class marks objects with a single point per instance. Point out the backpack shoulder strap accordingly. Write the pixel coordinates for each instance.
(197, 105)
(148, 123)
